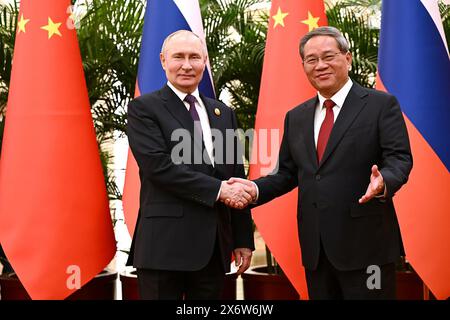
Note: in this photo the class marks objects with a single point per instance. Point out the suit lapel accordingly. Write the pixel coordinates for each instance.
(353, 105)
(178, 110)
(308, 130)
(215, 122)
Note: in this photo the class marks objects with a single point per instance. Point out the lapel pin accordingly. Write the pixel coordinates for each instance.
(217, 111)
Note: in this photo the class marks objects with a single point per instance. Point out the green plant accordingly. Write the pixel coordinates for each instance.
(236, 39)
(362, 37)
(365, 7)
(373, 7)
(445, 14)
(8, 23)
(109, 36)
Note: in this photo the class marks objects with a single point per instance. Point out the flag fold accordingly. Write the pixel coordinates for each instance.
(414, 65)
(55, 224)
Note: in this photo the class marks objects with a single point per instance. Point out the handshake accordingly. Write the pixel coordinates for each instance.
(238, 193)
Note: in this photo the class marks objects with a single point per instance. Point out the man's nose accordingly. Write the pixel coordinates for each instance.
(321, 65)
(186, 64)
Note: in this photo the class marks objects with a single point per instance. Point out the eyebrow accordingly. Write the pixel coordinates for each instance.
(325, 52)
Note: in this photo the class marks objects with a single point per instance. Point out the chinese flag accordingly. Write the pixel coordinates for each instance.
(283, 86)
(55, 225)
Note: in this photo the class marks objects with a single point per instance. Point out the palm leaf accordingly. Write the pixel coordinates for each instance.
(445, 14)
(236, 42)
(8, 24)
(363, 41)
(109, 37)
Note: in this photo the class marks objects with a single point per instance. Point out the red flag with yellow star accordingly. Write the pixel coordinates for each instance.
(55, 225)
(283, 86)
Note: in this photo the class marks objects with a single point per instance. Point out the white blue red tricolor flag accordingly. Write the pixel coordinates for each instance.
(162, 17)
(414, 66)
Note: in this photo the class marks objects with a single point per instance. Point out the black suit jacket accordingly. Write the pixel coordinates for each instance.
(179, 217)
(369, 130)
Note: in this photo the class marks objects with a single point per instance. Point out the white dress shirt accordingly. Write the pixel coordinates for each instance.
(202, 114)
(338, 98)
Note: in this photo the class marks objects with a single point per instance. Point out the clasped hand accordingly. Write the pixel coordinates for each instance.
(237, 193)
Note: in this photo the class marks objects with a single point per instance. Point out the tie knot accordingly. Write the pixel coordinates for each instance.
(190, 99)
(328, 104)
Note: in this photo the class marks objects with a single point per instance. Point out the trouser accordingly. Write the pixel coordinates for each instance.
(328, 283)
(204, 284)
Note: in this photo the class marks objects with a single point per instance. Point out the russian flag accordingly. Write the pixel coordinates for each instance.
(162, 17)
(414, 66)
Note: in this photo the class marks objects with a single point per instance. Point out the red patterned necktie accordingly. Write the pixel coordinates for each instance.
(325, 129)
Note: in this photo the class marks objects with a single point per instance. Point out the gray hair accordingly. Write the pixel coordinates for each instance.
(173, 34)
(325, 31)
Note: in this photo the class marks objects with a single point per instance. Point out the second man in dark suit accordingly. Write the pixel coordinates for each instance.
(347, 149)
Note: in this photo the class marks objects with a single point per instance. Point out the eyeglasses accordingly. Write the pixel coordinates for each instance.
(329, 57)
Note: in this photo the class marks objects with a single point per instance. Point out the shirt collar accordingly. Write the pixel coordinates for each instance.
(182, 94)
(340, 96)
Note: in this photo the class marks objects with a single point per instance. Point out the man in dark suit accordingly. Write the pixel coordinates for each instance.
(185, 236)
(347, 149)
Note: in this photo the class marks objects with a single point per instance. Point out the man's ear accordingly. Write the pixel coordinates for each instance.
(163, 60)
(349, 58)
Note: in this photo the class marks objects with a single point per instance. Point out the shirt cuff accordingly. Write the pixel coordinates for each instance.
(218, 194)
(257, 192)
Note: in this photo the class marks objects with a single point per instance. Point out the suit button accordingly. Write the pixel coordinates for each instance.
(314, 205)
(318, 177)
